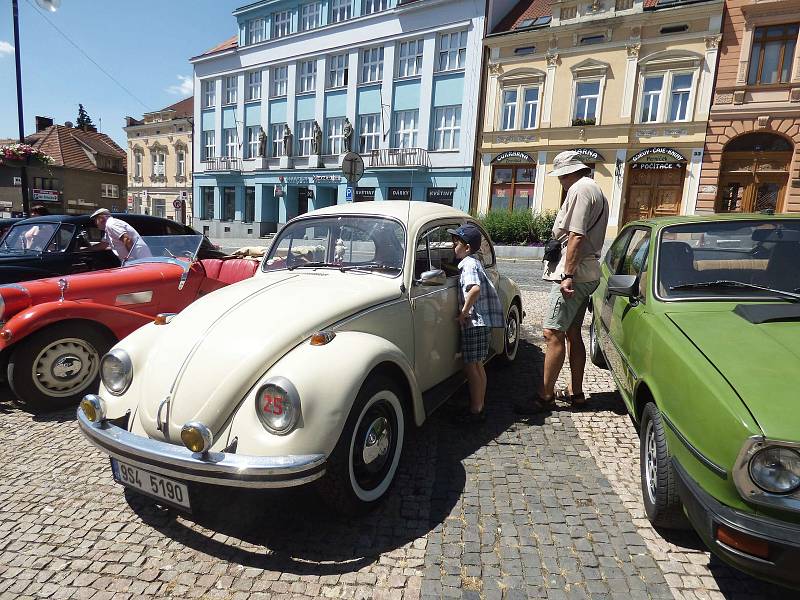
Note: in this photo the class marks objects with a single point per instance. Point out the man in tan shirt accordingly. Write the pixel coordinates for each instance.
(581, 227)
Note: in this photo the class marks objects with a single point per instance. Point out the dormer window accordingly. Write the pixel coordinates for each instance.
(256, 31)
(281, 24)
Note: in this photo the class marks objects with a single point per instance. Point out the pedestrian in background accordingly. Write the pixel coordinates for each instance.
(479, 311)
(118, 235)
(580, 226)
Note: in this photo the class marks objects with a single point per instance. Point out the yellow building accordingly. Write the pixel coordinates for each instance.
(160, 162)
(627, 83)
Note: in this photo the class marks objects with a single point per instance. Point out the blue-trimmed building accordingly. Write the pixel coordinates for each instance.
(402, 76)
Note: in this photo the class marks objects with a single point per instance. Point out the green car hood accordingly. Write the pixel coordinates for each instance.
(761, 363)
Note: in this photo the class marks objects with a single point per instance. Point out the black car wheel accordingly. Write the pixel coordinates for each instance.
(659, 481)
(56, 366)
(363, 464)
(511, 334)
(595, 353)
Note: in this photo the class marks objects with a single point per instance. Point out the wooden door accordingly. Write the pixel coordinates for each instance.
(653, 193)
(745, 192)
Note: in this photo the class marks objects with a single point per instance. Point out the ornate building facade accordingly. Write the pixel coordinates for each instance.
(160, 162)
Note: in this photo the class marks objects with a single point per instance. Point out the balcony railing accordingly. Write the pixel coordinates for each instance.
(399, 157)
(222, 163)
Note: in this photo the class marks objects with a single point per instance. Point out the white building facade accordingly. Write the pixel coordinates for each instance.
(276, 103)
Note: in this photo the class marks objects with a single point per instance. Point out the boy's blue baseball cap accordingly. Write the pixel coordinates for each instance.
(470, 234)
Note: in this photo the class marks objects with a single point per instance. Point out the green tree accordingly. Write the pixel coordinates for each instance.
(84, 120)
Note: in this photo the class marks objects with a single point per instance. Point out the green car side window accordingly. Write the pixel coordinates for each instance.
(635, 262)
(617, 251)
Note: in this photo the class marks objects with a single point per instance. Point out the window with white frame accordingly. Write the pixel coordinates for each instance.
(373, 6)
(405, 128)
(230, 145)
(447, 128)
(369, 132)
(337, 70)
(109, 190)
(530, 107)
(452, 51)
(280, 80)
(340, 10)
(209, 144)
(137, 163)
(307, 78)
(209, 93)
(509, 109)
(335, 142)
(159, 160)
(310, 16)
(252, 142)
(281, 23)
(651, 97)
(231, 84)
(256, 31)
(305, 134)
(372, 65)
(254, 85)
(409, 61)
(587, 99)
(181, 163)
(666, 96)
(276, 138)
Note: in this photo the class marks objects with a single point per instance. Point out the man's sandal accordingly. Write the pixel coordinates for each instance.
(537, 405)
(574, 399)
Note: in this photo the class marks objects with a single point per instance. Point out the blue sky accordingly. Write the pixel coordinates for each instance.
(144, 44)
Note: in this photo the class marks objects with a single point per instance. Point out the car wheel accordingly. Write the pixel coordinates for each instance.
(595, 354)
(56, 366)
(511, 334)
(363, 464)
(659, 484)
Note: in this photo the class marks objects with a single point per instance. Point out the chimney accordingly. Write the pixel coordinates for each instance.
(89, 128)
(43, 123)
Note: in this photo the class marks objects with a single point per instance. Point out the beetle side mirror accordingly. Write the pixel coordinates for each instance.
(431, 278)
(624, 285)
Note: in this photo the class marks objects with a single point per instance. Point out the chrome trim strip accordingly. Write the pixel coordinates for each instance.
(134, 298)
(747, 488)
(707, 462)
(217, 468)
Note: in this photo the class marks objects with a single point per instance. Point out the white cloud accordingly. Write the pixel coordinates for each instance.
(6, 48)
(184, 88)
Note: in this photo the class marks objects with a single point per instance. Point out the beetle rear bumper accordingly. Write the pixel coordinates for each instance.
(707, 515)
(217, 468)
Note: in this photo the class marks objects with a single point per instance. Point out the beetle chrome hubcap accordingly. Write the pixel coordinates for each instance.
(65, 367)
(376, 444)
(651, 462)
(512, 329)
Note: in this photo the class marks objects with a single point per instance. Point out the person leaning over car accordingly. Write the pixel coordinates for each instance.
(118, 235)
(580, 225)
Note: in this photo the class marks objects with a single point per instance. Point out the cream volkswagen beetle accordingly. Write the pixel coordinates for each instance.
(311, 370)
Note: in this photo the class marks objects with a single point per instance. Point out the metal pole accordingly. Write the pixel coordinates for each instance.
(24, 172)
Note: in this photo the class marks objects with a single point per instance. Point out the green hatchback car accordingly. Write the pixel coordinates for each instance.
(698, 319)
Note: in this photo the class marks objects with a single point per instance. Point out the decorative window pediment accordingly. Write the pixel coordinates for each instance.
(521, 76)
(590, 68)
(670, 60)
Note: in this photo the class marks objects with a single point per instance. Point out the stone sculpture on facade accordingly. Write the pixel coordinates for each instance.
(316, 139)
(347, 133)
(262, 143)
(287, 140)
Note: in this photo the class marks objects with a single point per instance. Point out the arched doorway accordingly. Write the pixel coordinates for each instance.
(755, 171)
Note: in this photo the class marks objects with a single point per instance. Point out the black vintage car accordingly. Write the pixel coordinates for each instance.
(54, 245)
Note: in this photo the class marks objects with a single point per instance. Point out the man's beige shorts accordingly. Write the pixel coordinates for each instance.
(562, 312)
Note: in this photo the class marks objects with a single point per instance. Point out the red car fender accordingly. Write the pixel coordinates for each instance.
(119, 321)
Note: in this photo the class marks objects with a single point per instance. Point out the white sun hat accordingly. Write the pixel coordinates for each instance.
(100, 211)
(567, 162)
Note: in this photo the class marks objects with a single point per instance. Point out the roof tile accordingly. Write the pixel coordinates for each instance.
(524, 10)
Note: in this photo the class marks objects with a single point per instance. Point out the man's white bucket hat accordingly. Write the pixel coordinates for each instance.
(100, 211)
(566, 162)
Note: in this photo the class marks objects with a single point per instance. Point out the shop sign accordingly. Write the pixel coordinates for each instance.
(515, 156)
(658, 155)
(399, 193)
(440, 195)
(45, 195)
(327, 179)
(364, 194)
(297, 180)
(588, 154)
(278, 191)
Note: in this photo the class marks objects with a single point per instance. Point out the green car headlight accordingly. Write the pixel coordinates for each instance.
(776, 470)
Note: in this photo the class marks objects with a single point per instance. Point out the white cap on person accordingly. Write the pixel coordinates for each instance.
(100, 211)
(567, 162)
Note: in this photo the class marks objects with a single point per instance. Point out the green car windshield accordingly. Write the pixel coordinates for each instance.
(730, 259)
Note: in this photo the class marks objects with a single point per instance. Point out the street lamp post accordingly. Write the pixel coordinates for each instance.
(24, 172)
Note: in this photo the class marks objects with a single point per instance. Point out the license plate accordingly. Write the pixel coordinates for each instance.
(151, 484)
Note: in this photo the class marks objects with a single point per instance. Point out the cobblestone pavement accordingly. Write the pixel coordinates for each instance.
(547, 507)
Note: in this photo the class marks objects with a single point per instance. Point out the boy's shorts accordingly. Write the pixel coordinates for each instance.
(474, 344)
(562, 313)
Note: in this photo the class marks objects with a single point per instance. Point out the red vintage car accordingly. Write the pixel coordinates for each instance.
(53, 332)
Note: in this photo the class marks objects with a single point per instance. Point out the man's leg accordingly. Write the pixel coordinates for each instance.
(577, 357)
(553, 361)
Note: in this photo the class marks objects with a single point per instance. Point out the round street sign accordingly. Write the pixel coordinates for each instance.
(352, 167)
(176, 203)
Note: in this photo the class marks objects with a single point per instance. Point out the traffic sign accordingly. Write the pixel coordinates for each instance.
(352, 167)
(176, 203)
(348, 194)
